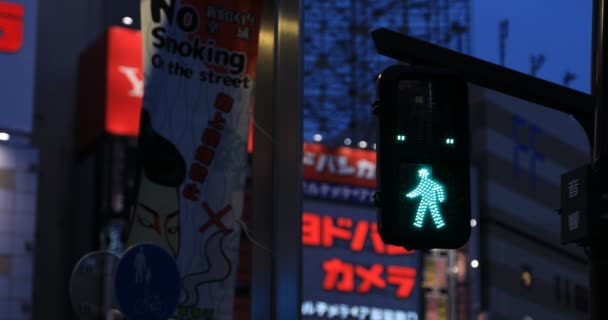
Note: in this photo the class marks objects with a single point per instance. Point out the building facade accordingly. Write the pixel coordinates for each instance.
(19, 158)
(520, 151)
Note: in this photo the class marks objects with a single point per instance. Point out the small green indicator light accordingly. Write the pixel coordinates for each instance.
(430, 192)
(449, 141)
(400, 137)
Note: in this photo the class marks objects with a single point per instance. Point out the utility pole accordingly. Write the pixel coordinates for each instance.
(598, 250)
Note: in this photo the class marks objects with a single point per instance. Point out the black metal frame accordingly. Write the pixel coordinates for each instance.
(589, 110)
(414, 51)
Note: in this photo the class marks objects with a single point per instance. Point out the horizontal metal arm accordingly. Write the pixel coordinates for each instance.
(414, 51)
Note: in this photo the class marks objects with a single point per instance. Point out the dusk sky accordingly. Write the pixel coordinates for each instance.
(559, 29)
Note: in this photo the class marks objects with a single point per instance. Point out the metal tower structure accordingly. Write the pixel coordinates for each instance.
(341, 63)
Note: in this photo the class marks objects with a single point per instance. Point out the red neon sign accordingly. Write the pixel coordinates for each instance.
(124, 83)
(342, 276)
(321, 231)
(11, 26)
(345, 166)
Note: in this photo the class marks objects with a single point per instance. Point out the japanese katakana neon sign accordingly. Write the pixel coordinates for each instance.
(344, 276)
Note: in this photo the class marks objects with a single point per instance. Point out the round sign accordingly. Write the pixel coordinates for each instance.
(92, 286)
(147, 283)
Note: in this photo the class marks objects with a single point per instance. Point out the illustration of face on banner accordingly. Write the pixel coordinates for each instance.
(155, 216)
(199, 67)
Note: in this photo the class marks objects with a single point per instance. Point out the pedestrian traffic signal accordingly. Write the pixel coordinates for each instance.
(423, 158)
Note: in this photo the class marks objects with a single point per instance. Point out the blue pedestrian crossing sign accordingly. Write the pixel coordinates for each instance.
(147, 283)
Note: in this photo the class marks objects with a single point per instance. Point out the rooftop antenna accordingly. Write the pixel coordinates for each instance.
(568, 77)
(536, 62)
(504, 34)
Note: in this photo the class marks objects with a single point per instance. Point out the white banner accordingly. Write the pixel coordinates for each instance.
(199, 65)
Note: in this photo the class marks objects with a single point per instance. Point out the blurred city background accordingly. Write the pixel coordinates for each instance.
(67, 151)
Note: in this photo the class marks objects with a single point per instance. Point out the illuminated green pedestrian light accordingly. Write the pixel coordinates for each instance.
(400, 137)
(449, 141)
(430, 192)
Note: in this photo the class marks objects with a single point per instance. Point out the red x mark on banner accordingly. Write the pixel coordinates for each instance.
(215, 218)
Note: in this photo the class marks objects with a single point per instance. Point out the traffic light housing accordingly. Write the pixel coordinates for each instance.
(423, 156)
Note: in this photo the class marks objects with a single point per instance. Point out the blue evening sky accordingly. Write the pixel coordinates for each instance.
(559, 29)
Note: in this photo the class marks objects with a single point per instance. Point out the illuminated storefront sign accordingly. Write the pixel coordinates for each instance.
(349, 272)
(326, 310)
(347, 166)
(11, 27)
(348, 264)
(332, 191)
(125, 83)
(18, 34)
(110, 87)
(342, 174)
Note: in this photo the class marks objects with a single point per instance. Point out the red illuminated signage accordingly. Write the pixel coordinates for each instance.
(110, 87)
(124, 82)
(321, 231)
(346, 166)
(11, 26)
(340, 275)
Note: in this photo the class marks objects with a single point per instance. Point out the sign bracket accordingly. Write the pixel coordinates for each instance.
(414, 51)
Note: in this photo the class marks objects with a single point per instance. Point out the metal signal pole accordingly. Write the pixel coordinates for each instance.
(598, 244)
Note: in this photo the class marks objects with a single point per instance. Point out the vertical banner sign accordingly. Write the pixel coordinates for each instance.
(199, 65)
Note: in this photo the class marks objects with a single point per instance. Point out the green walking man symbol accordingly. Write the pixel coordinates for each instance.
(431, 192)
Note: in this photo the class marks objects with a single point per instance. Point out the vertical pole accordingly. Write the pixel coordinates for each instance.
(287, 245)
(277, 164)
(597, 81)
(262, 296)
(452, 293)
(598, 250)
